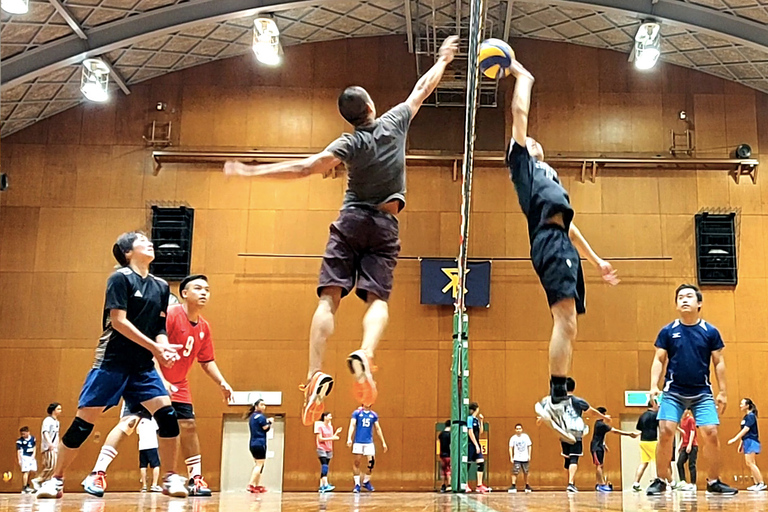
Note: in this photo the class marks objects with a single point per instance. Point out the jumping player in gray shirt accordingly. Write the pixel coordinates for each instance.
(363, 244)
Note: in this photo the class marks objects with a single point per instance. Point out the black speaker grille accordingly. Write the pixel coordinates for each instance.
(716, 249)
(172, 237)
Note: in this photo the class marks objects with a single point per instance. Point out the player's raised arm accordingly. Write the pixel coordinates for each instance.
(320, 163)
(521, 101)
(431, 78)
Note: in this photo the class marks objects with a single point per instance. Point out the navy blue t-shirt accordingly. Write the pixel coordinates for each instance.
(27, 446)
(750, 421)
(538, 189)
(690, 350)
(256, 423)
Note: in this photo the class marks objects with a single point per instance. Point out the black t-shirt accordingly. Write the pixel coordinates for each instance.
(598, 435)
(145, 301)
(445, 443)
(648, 426)
(538, 189)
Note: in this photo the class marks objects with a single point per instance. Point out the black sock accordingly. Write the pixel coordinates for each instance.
(557, 388)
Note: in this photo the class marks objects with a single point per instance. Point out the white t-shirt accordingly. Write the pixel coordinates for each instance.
(51, 426)
(520, 443)
(147, 431)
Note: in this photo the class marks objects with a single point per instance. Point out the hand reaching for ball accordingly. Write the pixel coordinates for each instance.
(449, 48)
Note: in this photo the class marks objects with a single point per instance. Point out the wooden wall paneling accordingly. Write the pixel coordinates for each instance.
(26, 175)
(487, 234)
(555, 114)
(9, 378)
(613, 73)
(679, 243)
(421, 366)
(489, 190)
(59, 180)
(225, 238)
(710, 124)
(419, 453)
(615, 123)
(645, 116)
(527, 300)
(197, 117)
(94, 176)
(655, 308)
(98, 127)
(229, 192)
(430, 189)
(750, 248)
(193, 187)
(749, 297)
(718, 308)
(327, 123)
(65, 128)
(84, 305)
(16, 304)
(49, 319)
(230, 117)
(132, 113)
(487, 374)
(19, 225)
(583, 68)
(526, 379)
(420, 233)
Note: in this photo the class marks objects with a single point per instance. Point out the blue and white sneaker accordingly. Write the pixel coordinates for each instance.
(368, 487)
(356, 489)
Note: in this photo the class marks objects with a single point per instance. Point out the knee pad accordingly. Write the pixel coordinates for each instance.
(77, 433)
(324, 470)
(371, 463)
(481, 466)
(167, 423)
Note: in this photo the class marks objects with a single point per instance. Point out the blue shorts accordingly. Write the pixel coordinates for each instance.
(103, 388)
(750, 446)
(473, 455)
(703, 408)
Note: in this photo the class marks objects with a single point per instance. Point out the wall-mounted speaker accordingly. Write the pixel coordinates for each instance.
(716, 259)
(172, 237)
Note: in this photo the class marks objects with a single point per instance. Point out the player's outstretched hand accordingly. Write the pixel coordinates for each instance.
(384, 446)
(166, 354)
(233, 168)
(226, 392)
(608, 273)
(731, 441)
(449, 48)
(338, 431)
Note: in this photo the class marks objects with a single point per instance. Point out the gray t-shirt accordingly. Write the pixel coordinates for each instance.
(374, 155)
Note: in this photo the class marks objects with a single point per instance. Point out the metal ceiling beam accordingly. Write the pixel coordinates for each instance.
(507, 20)
(119, 34)
(408, 25)
(71, 21)
(696, 17)
(116, 76)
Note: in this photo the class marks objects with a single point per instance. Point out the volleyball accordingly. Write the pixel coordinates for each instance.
(495, 58)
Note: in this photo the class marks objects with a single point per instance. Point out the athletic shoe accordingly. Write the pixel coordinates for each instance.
(175, 485)
(155, 488)
(656, 488)
(689, 488)
(528, 488)
(356, 488)
(512, 490)
(251, 489)
(95, 484)
(329, 488)
(365, 387)
(53, 488)
(678, 486)
(762, 487)
(603, 488)
(315, 390)
(481, 489)
(144, 488)
(198, 487)
(367, 486)
(554, 416)
(443, 489)
(637, 488)
(261, 489)
(753, 487)
(571, 488)
(718, 487)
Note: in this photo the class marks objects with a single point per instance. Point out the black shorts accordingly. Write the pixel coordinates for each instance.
(598, 456)
(572, 452)
(183, 410)
(474, 455)
(558, 265)
(362, 249)
(149, 458)
(259, 451)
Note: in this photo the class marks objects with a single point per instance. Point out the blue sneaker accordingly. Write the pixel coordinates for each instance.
(329, 488)
(604, 488)
(356, 489)
(368, 487)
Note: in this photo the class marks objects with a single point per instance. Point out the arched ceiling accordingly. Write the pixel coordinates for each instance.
(142, 39)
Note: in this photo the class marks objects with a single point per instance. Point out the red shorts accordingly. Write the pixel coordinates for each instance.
(445, 466)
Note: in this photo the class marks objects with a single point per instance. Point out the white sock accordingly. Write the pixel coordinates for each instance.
(194, 466)
(366, 479)
(106, 456)
(357, 479)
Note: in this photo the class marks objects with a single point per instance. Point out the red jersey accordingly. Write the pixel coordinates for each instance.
(689, 429)
(197, 342)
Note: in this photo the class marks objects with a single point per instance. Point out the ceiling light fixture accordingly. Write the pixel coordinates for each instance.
(266, 41)
(94, 83)
(647, 45)
(15, 6)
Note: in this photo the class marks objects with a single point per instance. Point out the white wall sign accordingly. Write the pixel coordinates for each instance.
(249, 397)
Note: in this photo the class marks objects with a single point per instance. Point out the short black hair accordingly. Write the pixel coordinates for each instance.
(353, 105)
(322, 416)
(447, 423)
(602, 410)
(124, 245)
(52, 407)
(189, 279)
(570, 384)
(519, 425)
(473, 406)
(686, 286)
(651, 401)
(24, 429)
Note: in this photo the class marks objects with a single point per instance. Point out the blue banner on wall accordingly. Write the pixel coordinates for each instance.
(440, 282)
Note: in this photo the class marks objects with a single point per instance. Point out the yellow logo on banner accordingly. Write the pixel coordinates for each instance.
(484, 446)
(453, 284)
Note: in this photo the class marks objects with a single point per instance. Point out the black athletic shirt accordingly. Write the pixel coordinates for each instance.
(648, 426)
(538, 189)
(598, 435)
(445, 443)
(145, 301)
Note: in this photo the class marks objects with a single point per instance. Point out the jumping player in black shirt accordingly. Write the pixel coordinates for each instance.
(134, 334)
(556, 246)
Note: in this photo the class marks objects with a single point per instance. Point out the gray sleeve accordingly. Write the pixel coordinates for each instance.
(399, 117)
(341, 148)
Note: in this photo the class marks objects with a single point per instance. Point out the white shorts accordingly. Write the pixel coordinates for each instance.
(28, 464)
(368, 449)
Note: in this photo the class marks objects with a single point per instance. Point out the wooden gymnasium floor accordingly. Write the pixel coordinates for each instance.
(387, 501)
